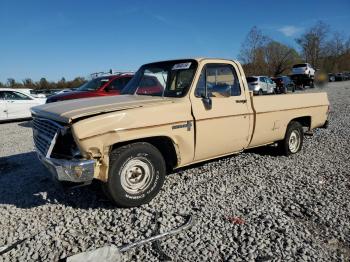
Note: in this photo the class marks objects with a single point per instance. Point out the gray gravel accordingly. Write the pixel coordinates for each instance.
(254, 206)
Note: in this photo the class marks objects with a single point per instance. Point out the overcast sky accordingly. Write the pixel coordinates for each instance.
(55, 39)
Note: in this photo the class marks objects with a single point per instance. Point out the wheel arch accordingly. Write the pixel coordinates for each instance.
(166, 145)
(305, 121)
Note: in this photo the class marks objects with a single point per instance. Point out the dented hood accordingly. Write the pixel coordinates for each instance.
(67, 111)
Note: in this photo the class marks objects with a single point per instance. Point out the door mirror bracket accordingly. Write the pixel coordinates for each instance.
(207, 102)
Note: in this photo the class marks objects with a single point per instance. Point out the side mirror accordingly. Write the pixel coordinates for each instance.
(207, 102)
(107, 89)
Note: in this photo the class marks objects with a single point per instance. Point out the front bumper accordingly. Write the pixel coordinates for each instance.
(77, 171)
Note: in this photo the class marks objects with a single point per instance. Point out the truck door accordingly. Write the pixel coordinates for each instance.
(3, 107)
(223, 128)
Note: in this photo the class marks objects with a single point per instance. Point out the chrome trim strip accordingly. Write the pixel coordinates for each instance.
(52, 144)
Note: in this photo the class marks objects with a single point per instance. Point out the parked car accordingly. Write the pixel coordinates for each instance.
(283, 84)
(346, 75)
(30, 92)
(261, 85)
(66, 90)
(331, 77)
(101, 86)
(15, 104)
(340, 77)
(304, 70)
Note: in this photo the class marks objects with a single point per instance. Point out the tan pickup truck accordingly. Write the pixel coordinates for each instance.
(199, 109)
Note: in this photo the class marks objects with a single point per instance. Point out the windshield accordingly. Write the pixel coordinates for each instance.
(299, 65)
(251, 79)
(94, 84)
(168, 79)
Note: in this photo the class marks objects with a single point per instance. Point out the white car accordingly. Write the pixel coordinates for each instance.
(303, 69)
(30, 92)
(261, 85)
(16, 104)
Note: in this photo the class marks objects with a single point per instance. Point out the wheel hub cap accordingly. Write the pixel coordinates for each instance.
(294, 141)
(136, 175)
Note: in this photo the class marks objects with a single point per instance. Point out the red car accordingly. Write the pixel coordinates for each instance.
(100, 86)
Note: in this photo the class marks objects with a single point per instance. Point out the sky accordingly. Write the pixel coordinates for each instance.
(55, 39)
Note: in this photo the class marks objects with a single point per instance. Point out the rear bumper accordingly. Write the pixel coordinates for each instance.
(77, 171)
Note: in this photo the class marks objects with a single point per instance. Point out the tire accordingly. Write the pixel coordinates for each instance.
(293, 88)
(293, 140)
(260, 93)
(136, 174)
(285, 90)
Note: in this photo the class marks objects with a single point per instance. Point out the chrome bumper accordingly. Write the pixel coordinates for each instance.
(78, 171)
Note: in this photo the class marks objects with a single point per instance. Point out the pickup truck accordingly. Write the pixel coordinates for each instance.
(204, 111)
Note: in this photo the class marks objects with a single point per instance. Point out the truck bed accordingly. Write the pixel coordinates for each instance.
(273, 113)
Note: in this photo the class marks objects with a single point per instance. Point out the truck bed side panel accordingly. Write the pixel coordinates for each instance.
(273, 114)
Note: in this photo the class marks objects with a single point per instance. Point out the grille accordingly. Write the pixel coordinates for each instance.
(44, 131)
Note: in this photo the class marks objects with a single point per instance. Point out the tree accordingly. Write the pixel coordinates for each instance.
(78, 81)
(43, 83)
(260, 55)
(335, 58)
(28, 83)
(313, 42)
(279, 58)
(252, 51)
(11, 82)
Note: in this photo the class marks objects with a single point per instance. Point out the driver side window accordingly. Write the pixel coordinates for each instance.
(221, 81)
(9, 95)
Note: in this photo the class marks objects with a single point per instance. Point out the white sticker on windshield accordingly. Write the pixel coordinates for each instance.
(182, 66)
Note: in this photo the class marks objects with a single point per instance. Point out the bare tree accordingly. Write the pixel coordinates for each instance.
(252, 51)
(28, 83)
(312, 43)
(280, 58)
(260, 55)
(11, 82)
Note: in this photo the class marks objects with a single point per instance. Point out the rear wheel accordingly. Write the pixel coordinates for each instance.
(137, 172)
(293, 140)
(260, 93)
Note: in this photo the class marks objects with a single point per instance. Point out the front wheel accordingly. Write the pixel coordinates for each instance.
(293, 140)
(136, 174)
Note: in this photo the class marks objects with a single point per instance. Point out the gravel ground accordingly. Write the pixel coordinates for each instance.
(254, 206)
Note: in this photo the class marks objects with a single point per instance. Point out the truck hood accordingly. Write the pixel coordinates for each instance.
(67, 111)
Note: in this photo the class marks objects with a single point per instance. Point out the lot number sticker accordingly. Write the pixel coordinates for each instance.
(182, 66)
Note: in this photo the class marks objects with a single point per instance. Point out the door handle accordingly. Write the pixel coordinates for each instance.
(241, 101)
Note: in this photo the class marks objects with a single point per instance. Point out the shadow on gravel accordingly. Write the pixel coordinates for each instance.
(264, 151)
(26, 124)
(25, 183)
(269, 150)
(14, 121)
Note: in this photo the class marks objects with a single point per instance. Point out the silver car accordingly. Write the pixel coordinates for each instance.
(261, 85)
